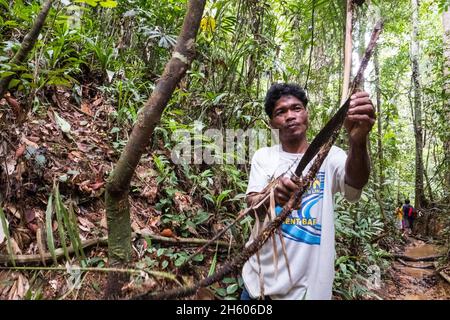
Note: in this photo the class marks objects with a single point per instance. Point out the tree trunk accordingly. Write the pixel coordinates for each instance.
(257, 13)
(446, 24)
(118, 185)
(27, 44)
(347, 50)
(379, 127)
(417, 116)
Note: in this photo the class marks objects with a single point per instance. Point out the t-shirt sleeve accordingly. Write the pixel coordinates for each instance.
(337, 164)
(259, 178)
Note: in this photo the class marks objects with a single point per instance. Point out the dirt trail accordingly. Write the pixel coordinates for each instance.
(415, 280)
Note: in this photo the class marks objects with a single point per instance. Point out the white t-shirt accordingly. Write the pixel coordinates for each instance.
(308, 234)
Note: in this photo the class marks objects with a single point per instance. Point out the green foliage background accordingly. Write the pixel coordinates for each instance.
(244, 46)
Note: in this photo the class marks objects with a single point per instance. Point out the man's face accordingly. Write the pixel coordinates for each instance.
(290, 117)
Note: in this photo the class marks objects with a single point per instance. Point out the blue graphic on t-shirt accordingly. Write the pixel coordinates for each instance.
(303, 225)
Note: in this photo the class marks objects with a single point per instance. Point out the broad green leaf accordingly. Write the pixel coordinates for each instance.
(180, 261)
(13, 83)
(232, 288)
(212, 268)
(76, 231)
(59, 219)
(5, 229)
(92, 3)
(108, 4)
(62, 124)
(7, 74)
(198, 258)
(229, 280)
(49, 229)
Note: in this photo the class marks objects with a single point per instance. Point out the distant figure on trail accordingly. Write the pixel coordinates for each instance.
(399, 222)
(408, 215)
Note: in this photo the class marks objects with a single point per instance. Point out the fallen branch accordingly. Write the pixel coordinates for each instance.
(47, 257)
(425, 266)
(27, 44)
(178, 240)
(159, 274)
(59, 253)
(379, 237)
(409, 258)
(420, 238)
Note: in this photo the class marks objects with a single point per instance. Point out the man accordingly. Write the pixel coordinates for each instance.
(309, 232)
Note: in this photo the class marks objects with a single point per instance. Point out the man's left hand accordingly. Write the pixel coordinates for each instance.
(360, 117)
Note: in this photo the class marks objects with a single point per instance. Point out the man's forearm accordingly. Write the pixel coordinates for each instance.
(357, 167)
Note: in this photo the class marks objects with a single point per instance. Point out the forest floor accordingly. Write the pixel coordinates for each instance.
(416, 280)
(76, 149)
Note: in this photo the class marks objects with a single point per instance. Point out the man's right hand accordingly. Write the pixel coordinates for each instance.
(284, 190)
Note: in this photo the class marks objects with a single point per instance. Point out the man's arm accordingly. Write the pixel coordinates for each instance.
(359, 122)
(282, 193)
(357, 166)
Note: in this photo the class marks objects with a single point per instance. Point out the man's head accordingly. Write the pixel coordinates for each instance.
(278, 90)
(407, 201)
(285, 104)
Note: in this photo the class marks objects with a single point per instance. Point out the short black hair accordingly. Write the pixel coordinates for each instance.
(277, 90)
(407, 201)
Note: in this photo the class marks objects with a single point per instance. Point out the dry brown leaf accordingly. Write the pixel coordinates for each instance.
(167, 233)
(19, 288)
(97, 185)
(44, 131)
(29, 142)
(5, 284)
(22, 286)
(10, 165)
(193, 231)
(76, 154)
(86, 109)
(150, 193)
(33, 227)
(154, 222)
(20, 151)
(11, 208)
(205, 294)
(82, 147)
(13, 292)
(13, 103)
(20, 169)
(138, 286)
(135, 226)
(103, 222)
(29, 215)
(85, 224)
(182, 201)
(97, 102)
(55, 285)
